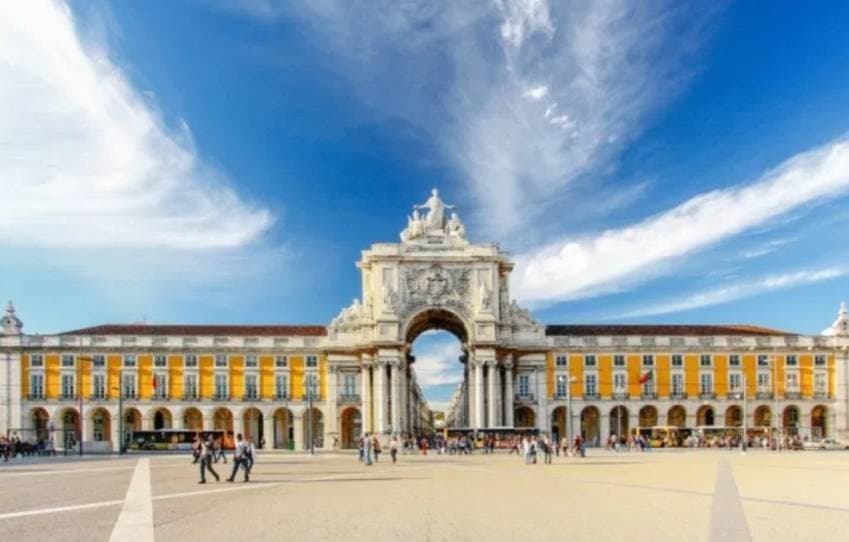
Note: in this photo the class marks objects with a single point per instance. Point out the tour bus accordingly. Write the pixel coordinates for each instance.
(503, 435)
(173, 439)
(662, 436)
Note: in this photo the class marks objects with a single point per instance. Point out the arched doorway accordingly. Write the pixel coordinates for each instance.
(558, 424)
(132, 423)
(70, 420)
(313, 417)
(763, 416)
(705, 416)
(351, 427)
(101, 426)
(677, 417)
(590, 426)
(619, 421)
(252, 423)
(284, 435)
(162, 419)
(193, 419)
(40, 424)
(524, 417)
(819, 423)
(734, 416)
(222, 420)
(648, 416)
(790, 420)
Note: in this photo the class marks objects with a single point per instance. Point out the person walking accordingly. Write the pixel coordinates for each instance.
(546, 446)
(205, 453)
(239, 459)
(250, 454)
(393, 449)
(196, 449)
(375, 445)
(367, 450)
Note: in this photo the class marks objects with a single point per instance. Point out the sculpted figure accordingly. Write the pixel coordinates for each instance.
(485, 296)
(435, 219)
(455, 227)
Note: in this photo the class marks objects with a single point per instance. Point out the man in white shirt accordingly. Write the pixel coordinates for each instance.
(239, 458)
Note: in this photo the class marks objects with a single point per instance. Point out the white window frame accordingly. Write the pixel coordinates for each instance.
(219, 387)
(64, 389)
(98, 386)
(255, 385)
(735, 360)
(311, 361)
(764, 382)
(132, 359)
(617, 358)
(677, 376)
(129, 386)
(222, 361)
(677, 360)
(190, 361)
(647, 358)
(709, 364)
(787, 359)
(67, 361)
(32, 361)
(820, 382)
(590, 360)
(523, 385)
(33, 386)
(281, 362)
(281, 391)
(735, 382)
(561, 361)
(191, 391)
(160, 357)
(791, 382)
(590, 384)
(560, 383)
(98, 361)
(251, 361)
(706, 382)
(620, 382)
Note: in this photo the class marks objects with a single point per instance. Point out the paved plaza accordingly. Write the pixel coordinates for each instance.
(676, 495)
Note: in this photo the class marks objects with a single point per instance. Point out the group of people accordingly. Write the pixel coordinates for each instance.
(208, 451)
(12, 447)
(531, 447)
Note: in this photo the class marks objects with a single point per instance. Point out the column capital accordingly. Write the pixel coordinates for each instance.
(507, 364)
(491, 363)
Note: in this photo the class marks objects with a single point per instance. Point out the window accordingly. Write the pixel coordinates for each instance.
(706, 383)
(620, 382)
(98, 361)
(589, 360)
(792, 382)
(281, 386)
(648, 385)
(36, 360)
(561, 361)
(677, 360)
(311, 385)
(312, 361)
(735, 383)
(677, 384)
(734, 360)
(819, 383)
(524, 385)
(36, 386)
(250, 387)
(190, 361)
(129, 360)
(220, 361)
(763, 382)
(160, 360)
(648, 360)
(763, 360)
(561, 386)
(349, 385)
(68, 386)
(67, 360)
(221, 386)
(99, 387)
(705, 361)
(819, 360)
(590, 384)
(618, 360)
(190, 386)
(250, 361)
(161, 389)
(792, 361)
(128, 387)
(281, 361)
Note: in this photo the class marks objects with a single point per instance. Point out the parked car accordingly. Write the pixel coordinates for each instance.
(825, 444)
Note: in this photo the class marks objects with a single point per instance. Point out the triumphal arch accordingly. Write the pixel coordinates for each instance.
(435, 279)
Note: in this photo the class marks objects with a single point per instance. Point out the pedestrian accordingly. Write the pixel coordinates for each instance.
(239, 459)
(250, 454)
(205, 453)
(367, 449)
(393, 449)
(375, 445)
(196, 449)
(546, 446)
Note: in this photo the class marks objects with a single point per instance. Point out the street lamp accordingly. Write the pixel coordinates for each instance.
(570, 380)
(308, 397)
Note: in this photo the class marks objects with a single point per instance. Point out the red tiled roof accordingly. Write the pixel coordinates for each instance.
(149, 329)
(662, 329)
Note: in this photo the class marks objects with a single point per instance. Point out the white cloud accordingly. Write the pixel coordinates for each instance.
(574, 268)
(536, 94)
(738, 290)
(766, 248)
(85, 161)
(437, 364)
(523, 18)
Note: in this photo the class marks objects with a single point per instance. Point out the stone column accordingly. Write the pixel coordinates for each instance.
(395, 392)
(508, 392)
(604, 426)
(365, 396)
(841, 391)
(479, 408)
(238, 423)
(468, 398)
(492, 369)
(542, 400)
(268, 430)
(331, 422)
(380, 397)
(298, 430)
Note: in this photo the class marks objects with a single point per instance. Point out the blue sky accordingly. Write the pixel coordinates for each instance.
(197, 162)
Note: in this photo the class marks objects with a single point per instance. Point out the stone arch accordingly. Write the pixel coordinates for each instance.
(734, 416)
(648, 416)
(222, 420)
(252, 424)
(315, 418)
(559, 422)
(524, 417)
(676, 416)
(705, 416)
(161, 418)
(69, 427)
(619, 421)
(350, 427)
(99, 425)
(763, 416)
(192, 419)
(790, 420)
(40, 423)
(819, 422)
(284, 432)
(435, 318)
(132, 419)
(590, 426)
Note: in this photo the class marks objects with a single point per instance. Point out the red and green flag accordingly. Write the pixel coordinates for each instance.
(649, 375)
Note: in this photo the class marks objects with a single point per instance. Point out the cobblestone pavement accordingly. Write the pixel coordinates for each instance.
(675, 495)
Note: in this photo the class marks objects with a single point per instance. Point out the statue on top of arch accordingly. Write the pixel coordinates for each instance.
(434, 224)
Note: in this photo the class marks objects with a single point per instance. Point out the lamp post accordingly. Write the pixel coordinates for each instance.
(308, 397)
(745, 410)
(569, 382)
(775, 400)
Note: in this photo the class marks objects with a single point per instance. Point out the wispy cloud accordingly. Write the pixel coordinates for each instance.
(766, 248)
(737, 290)
(85, 160)
(574, 268)
(437, 363)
